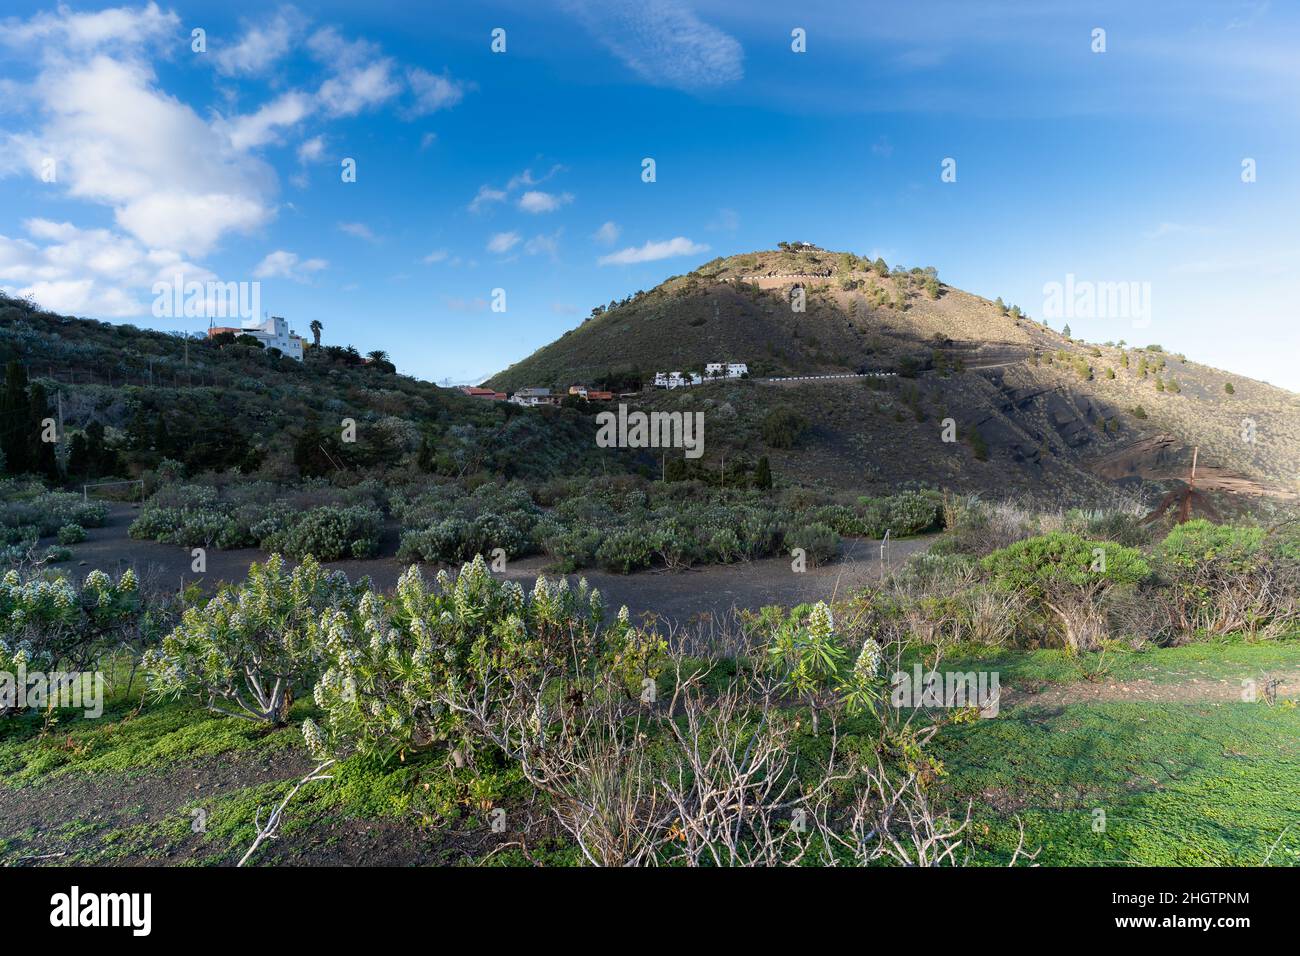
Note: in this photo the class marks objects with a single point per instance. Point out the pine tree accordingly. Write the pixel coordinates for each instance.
(42, 457)
(80, 464)
(15, 419)
(763, 474)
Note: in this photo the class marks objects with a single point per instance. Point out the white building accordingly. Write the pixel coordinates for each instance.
(533, 396)
(275, 333)
(726, 370)
(675, 380)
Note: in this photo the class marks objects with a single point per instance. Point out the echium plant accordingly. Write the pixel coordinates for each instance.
(250, 648)
(394, 667)
(48, 622)
(814, 663)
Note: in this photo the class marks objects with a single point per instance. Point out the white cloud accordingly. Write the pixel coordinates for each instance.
(353, 91)
(311, 150)
(608, 233)
(363, 78)
(438, 255)
(663, 41)
(286, 265)
(526, 178)
(87, 271)
(82, 32)
(503, 242)
(427, 140)
(653, 251)
(260, 46)
(259, 128)
(486, 195)
(360, 230)
(433, 92)
(550, 245)
(536, 201)
(185, 191)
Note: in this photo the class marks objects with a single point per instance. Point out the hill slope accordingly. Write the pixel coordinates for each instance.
(1050, 410)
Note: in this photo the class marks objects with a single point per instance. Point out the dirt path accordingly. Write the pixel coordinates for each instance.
(1193, 690)
(675, 596)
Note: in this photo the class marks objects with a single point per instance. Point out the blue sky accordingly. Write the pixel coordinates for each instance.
(522, 170)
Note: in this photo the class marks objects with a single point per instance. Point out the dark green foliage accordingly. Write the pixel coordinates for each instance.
(783, 427)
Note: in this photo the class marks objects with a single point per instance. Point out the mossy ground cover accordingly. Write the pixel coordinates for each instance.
(1210, 660)
(1178, 784)
(1190, 783)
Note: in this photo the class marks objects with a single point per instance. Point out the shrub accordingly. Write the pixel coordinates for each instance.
(396, 668)
(624, 551)
(819, 542)
(71, 534)
(47, 621)
(1222, 579)
(330, 533)
(248, 650)
(1067, 574)
(783, 427)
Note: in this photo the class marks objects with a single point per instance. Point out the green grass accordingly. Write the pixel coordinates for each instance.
(1180, 785)
(122, 741)
(1211, 660)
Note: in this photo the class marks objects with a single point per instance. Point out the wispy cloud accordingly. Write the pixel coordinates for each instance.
(608, 233)
(653, 251)
(663, 41)
(261, 45)
(359, 230)
(536, 201)
(434, 92)
(503, 242)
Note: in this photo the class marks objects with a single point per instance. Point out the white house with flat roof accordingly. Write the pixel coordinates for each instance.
(275, 333)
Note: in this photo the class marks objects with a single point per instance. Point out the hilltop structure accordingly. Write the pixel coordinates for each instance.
(272, 333)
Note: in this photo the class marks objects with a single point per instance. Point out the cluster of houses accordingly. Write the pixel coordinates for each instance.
(533, 396)
(712, 372)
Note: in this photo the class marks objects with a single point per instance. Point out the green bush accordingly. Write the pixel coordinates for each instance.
(330, 534)
(1223, 579)
(47, 621)
(71, 534)
(248, 651)
(625, 551)
(397, 666)
(783, 427)
(819, 541)
(1066, 576)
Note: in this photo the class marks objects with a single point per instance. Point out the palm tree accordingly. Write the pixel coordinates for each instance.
(378, 355)
(315, 331)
